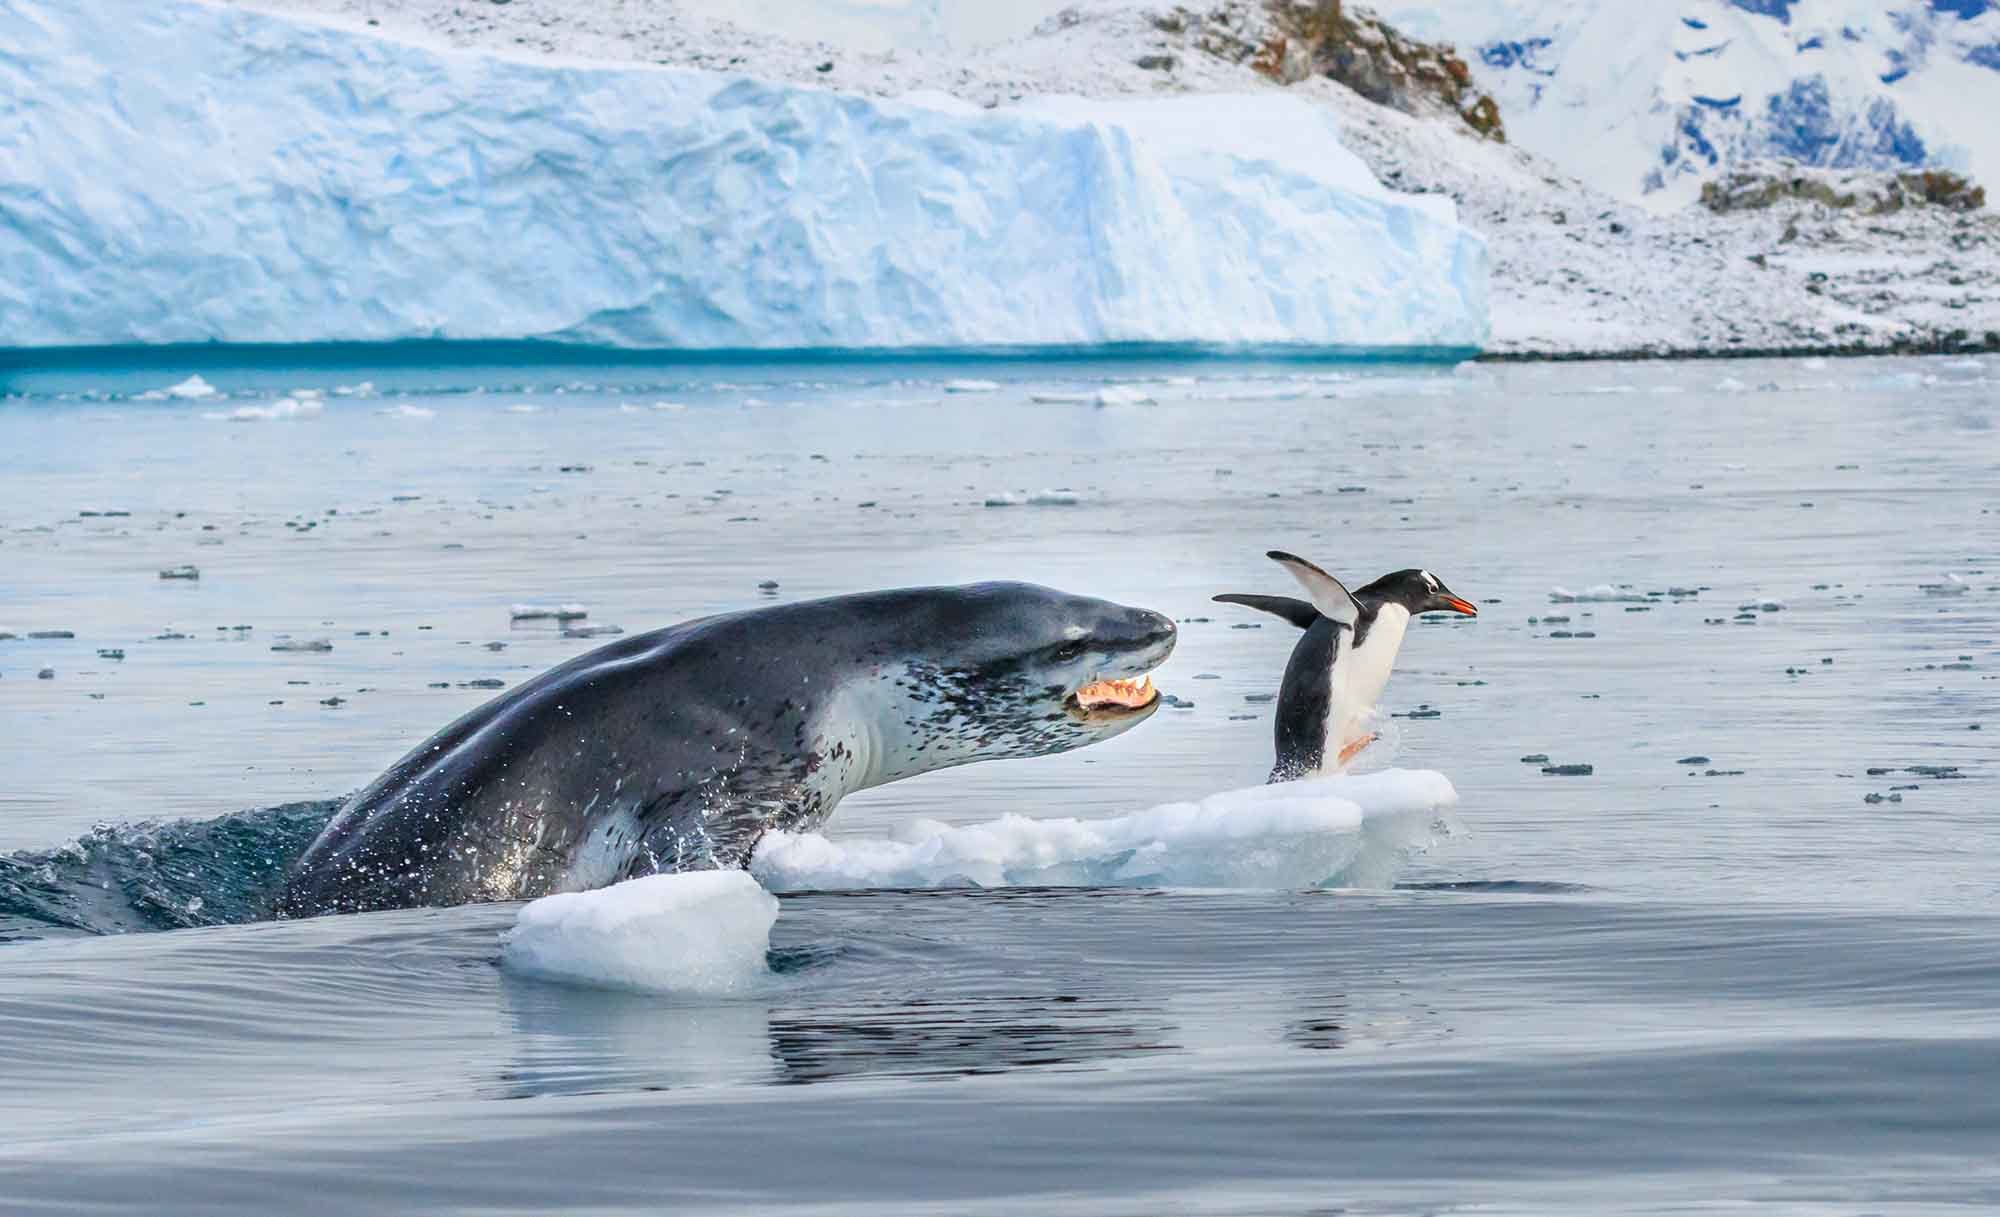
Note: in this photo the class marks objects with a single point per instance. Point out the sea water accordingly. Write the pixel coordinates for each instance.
(1750, 959)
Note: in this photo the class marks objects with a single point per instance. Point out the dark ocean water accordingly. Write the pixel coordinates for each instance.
(1715, 985)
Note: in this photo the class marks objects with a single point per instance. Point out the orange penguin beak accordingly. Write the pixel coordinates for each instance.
(1461, 606)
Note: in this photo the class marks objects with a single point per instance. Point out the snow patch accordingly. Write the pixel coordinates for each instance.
(698, 932)
(1352, 831)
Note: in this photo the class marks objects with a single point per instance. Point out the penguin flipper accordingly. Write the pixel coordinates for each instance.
(1328, 596)
(1298, 612)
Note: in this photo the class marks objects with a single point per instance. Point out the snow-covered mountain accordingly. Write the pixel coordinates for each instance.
(1648, 100)
(183, 172)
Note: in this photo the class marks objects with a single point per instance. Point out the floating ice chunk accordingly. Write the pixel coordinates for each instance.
(408, 411)
(669, 405)
(287, 407)
(523, 408)
(1005, 499)
(315, 645)
(365, 389)
(1952, 586)
(1060, 497)
(971, 386)
(181, 572)
(1049, 398)
(1267, 393)
(547, 612)
(194, 388)
(592, 631)
(1122, 395)
(697, 932)
(1603, 593)
(1337, 831)
(1729, 384)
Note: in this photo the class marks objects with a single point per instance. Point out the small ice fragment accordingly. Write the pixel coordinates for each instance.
(1570, 771)
(971, 386)
(193, 388)
(592, 631)
(110, 653)
(694, 932)
(548, 612)
(1060, 497)
(315, 645)
(51, 633)
(180, 572)
(1952, 586)
(1005, 499)
(523, 408)
(408, 411)
(1122, 395)
(1063, 399)
(1603, 593)
(484, 682)
(287, 407)
(46, 674)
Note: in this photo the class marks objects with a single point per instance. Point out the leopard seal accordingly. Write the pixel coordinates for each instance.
(676, 749)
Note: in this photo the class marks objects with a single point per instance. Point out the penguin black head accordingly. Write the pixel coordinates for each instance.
(1419, 591)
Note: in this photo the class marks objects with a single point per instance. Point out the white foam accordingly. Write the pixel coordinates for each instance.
(695, 932)
(1348, 831)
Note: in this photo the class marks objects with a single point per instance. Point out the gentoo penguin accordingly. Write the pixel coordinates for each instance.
(1338, 670)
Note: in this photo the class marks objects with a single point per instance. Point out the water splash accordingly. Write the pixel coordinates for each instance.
(157, 876)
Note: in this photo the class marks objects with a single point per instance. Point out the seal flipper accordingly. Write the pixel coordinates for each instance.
(1328, 596)
(1298, 612)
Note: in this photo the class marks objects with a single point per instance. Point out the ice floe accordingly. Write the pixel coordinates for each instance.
(1339, 831)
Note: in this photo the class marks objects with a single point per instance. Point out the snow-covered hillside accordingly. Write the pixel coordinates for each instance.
(1648, 100)
(180, 172)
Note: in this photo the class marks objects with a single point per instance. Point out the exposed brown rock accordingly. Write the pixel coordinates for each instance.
(1358, 49)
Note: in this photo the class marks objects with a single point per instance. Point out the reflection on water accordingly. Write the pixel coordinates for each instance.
(570, 1041)
(963, 1037)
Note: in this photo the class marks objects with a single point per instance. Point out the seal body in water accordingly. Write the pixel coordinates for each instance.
(1342, 663)
(678, 748)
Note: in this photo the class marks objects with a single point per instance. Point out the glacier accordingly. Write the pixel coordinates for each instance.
(181, 172)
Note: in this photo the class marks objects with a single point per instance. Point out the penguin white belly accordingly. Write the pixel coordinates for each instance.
(1360, 673)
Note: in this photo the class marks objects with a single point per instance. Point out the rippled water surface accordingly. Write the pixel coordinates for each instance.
(1765, 978)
